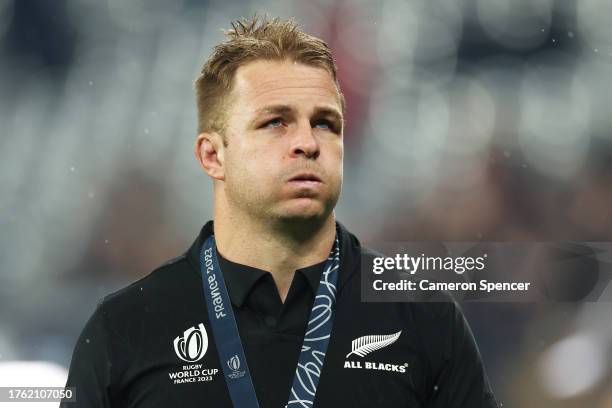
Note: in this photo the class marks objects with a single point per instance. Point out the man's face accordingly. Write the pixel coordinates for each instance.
(283, 159)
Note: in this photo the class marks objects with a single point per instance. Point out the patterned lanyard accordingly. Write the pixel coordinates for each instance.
(229, 346)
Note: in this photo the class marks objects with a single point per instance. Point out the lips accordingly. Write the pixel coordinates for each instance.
(306, 177)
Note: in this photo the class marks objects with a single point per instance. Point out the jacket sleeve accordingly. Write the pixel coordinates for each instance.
(90, 366)
(461, 381)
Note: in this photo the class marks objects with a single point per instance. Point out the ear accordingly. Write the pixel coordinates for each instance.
(209, 152)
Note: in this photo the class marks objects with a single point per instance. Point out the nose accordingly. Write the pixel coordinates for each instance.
(304, 142)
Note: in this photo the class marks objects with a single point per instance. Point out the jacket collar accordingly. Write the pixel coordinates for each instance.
(350, 251)
(240, 279)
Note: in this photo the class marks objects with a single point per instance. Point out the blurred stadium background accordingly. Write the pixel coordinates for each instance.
(467, 120)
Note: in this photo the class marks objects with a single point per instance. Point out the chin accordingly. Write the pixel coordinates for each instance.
(304, 209)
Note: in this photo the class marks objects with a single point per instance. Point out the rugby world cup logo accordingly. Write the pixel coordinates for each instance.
(192, 345)
(234, 365)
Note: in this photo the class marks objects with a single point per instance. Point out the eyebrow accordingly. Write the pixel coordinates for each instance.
(288, 110)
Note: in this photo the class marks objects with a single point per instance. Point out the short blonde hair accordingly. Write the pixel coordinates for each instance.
(249, 40)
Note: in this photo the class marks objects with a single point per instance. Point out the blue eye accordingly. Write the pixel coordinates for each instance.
(326, 125)
(274, 123)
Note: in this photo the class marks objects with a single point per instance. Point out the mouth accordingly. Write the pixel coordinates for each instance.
(305, 178)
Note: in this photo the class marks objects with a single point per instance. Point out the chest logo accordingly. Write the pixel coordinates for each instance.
(192, 345)
(364, 345)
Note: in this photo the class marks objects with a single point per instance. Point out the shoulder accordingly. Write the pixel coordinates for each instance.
(432, 309)
(434, 313)
(162, 283)
(370, 253)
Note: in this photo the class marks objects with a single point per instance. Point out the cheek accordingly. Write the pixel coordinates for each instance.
(251, 167)
(336, 156)
(236, 169)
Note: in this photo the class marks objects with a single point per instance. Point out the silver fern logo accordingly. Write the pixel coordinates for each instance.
(364, 345)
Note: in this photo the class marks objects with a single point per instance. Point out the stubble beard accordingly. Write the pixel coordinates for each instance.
(272, 210)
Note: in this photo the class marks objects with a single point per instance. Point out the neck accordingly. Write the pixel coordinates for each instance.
(277, 247)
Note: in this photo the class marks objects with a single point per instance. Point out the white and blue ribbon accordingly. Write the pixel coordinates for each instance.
(318, 333)
(229, 346)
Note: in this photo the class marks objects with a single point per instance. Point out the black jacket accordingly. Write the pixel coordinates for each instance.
(126, 355)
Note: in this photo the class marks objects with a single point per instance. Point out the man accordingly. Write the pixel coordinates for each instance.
(264, 309)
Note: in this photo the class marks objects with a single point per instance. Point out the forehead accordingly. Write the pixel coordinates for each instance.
(260, 83)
